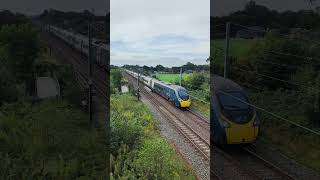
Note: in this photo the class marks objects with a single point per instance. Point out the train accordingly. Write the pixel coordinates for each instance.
(233, 120)
(178, 95)
(100, 51)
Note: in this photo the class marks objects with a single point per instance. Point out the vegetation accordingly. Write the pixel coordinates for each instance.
(171, 78)
(197, 85)
(47, 139)
(238, 48)
(173, 70)
(137, 150)
(116, 80)
(77, 21)
(280, 72)
(19, 47)
(254, 15)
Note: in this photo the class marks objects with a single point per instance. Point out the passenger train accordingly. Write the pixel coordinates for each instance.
(100, 51)
(233, 121)
(176, 94)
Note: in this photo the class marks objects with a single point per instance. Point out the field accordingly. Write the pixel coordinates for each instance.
(238, 48)
(171, 78)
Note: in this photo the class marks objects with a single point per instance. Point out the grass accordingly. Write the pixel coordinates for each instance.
(238, 48)
(293, 141)
(146, 154)
(198, 101)
(201, 107)
(50, 140)
(171, 78)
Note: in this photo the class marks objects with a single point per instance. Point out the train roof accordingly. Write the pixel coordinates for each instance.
(168, 85)
(224, 84)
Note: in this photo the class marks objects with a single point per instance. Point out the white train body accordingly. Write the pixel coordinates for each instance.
(100, 51)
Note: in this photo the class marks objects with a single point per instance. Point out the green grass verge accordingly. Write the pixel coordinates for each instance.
(201, 107)
(138, 150)
(50, 140)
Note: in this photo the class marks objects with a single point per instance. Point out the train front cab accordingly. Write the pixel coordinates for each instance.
(178, 97)
(233, 126)
(184, 98)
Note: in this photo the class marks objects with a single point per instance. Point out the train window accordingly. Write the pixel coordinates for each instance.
(183, 94)
(233, 107)
(232, 101)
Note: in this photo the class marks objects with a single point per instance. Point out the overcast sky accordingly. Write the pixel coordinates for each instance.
(166, 32)
(224, 7)
(32, 7)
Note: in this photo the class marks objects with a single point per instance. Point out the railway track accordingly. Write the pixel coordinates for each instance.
(203, 121)
(280, 174)
(251, 164)
(201, 144)
(79, 64)
(266, 169)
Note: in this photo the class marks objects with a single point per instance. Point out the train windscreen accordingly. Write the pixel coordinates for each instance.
(183, 94)
(234, 108)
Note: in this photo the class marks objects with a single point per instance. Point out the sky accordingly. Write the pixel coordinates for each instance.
(34, 7)
(166, 32)
(280, 5)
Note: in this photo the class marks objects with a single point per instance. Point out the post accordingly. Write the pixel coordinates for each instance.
(49, 30)
(180, 75)
(138, 86)
(226, 55)
(90, 72)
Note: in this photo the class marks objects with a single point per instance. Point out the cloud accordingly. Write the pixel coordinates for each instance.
(160, 32)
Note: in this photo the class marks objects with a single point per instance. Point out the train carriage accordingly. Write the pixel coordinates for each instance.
(176, 94)
(100, 51)
(232, 119)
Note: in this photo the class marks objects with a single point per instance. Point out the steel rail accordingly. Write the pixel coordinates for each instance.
(201, 145)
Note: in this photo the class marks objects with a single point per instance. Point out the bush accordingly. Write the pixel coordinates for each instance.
(194, 81)
(116, 77)
(8, 89)
(19, 48)
(129, 121)
(50, 140)
(137, 150)
(157, 160)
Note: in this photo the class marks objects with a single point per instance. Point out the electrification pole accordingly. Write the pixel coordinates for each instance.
(90, 70)
(226, 55)
(138, 92)
(180, 75)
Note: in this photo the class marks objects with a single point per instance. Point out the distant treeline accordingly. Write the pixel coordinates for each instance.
(77, 21)
(174, 69)
(7, 17)
(254, 15)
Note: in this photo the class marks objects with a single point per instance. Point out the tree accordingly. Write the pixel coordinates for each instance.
(189, 66)
(19, 48)
(160, 68)
(116, 77)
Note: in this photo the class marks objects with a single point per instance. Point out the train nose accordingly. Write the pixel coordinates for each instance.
(186, 103)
